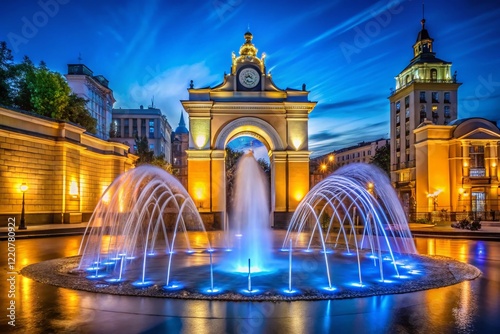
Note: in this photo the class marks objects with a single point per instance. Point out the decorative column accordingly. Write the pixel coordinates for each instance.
(218, 181)
(298, 177)
(199, 178)
(279, 180)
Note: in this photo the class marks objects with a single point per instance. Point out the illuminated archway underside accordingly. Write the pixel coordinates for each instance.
(433, 272)
(250, 134)
(251, 125)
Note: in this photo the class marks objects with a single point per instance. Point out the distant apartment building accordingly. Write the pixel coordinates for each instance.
(128, 124)
(94, 89)
(361, 153)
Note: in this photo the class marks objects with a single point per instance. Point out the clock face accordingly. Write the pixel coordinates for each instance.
(249, 77)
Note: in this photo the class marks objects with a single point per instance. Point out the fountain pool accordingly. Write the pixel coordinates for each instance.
(347, 238)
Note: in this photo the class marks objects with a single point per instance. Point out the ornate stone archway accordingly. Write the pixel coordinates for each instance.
(248, 102)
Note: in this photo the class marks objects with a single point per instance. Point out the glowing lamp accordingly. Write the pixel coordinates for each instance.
(297, 142)
(298, 196)
(200, 141)
(23, 187)
(73, 190)
(330, 158)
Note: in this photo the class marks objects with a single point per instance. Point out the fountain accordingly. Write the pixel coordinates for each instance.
(347, 238)
(249, 231)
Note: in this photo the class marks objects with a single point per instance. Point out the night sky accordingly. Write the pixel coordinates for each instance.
(346, 52)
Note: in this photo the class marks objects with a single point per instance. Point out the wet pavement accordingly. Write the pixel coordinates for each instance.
(468, 307)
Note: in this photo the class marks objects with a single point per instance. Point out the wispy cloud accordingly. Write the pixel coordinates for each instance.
(167, 87)
(349, 23)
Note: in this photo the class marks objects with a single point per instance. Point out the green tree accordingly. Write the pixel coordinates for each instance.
(21, 94)
(382, 158)
(49, 92)
(39, 90)
(146, 156)
(6, 74)
(76, 112)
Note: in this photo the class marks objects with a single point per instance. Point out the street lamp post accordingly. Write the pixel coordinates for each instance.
(22, 224)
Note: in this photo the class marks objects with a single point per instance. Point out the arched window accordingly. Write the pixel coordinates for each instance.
(434, 74)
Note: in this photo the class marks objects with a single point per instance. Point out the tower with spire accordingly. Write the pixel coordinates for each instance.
(180, 143)
(426, 92)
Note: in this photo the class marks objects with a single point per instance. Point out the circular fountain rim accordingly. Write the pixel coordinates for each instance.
(60, 272)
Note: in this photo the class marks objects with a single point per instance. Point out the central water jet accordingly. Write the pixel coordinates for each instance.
(249, 224)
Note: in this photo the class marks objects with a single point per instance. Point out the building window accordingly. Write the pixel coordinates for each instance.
(397, 119)
(476, 156)
(370, 152)
(398, 107)
(422, 97)
(447, 97)
(126, 128)
(398, 131)
(151, 147)
(407, 113)
(423, 113)
(434, 74)
(151, 128)
(447, 113)
(407, 102)
(435, 97)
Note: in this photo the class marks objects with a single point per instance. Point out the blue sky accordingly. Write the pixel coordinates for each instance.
(347, 52)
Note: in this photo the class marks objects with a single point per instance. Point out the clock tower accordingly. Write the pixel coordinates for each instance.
(248, 103)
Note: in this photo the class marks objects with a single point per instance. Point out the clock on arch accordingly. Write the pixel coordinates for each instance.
(249, 77)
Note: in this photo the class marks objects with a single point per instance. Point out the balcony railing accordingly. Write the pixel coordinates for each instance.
(477, 172)
(423, 81)
(403, 165)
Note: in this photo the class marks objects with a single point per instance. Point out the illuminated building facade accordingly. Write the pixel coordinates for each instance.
(127, 124)
(426, 90)
(64, 169)
(457, 167)
(248, 103)
(94, 89)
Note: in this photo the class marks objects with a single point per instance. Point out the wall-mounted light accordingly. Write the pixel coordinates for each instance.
(298, 196)
(73, 190)
(297, 142)
(200, 141)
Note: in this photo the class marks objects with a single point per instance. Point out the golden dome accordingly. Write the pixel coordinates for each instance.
(248, 49)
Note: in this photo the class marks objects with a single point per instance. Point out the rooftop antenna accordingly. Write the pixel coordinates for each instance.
(423, 15)
(79, 57)
(153, 102)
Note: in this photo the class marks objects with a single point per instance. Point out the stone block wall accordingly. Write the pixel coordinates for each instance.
(66, 169)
